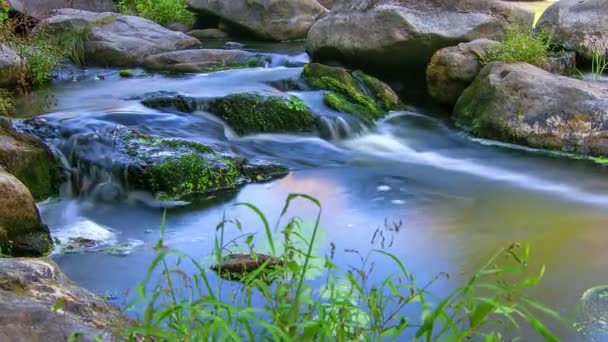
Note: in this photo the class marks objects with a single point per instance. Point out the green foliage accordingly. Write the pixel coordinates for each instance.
(255, 113)
(278, 303)
(599, 63)
(42, 51)
(160, 11)
(520, 45)
(297, 104)
(4, 8)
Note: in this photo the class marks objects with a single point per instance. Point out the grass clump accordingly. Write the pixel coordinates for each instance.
(42, 52)
(160, 11)
(276, 299)
(521, 45)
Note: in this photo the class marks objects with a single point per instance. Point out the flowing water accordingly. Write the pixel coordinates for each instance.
(459, 199)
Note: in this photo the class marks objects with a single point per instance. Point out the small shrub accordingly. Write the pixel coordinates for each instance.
(160, 11)
(521, 45)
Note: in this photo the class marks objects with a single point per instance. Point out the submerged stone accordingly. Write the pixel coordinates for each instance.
(238, 266)
(248, 113)
(356, 93)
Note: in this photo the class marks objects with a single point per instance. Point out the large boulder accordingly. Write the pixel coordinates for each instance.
(40, 9)
(388, 36)
(524, 104)
(21, 230)
(201, 60)
(268, 19)
(39, 303)
(11, 65)
(578, 25)
(30, 160)
(454, 68)
(113, 39)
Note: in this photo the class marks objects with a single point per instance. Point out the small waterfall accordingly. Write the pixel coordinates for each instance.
(338, 128)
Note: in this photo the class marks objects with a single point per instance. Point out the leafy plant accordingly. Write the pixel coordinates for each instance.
(297, 104)
(6, 102)
(279, 303)
(4, 9)
(520, 45)
(160, 11)
(599, 63)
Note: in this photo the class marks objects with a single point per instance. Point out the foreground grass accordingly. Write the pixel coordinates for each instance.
(277, 302)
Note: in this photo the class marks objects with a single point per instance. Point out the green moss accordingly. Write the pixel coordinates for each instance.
(126, 73)
(340, 103)
(386, 97)
(191, 174)
(356, 93)
(254, 113)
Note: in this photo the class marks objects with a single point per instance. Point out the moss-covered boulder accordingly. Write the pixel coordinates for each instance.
(248, 113)
(356, 93)
(28, 159)
(523, 104)
(170, 169)
(21, 230)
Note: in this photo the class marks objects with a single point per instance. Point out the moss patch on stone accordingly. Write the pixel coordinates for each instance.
(255, 113)
(356, 93)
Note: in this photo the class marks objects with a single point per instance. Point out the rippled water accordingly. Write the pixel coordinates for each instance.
(460, 199)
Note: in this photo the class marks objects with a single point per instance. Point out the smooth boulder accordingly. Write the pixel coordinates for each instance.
(22, 233)
(30, 160)
(454, 68)
(277, 20)
(114, 39)
(40, 9)
(30, 289)
(202, 60)
(393, 37)
(11, 66)
(578, 25)
(524, 104)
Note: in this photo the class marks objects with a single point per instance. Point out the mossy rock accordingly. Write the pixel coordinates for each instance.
(248, 113)
(238, 266)
(356, 93)
(169, 99)
(30, 160)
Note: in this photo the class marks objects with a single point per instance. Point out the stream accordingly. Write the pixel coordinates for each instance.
(459, 199)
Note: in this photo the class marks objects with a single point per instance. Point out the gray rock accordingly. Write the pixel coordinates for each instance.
(21, 230)
(388, 36)
(268, 19)
(233, 45)
(10, 66)
(179, 27)
(39, 9)
(327, 3)
(453, 69)
(208, 34)
(115, 39)
(578, 25)
(524, 104)
(30, 288)
(30, 160)
(199, 60)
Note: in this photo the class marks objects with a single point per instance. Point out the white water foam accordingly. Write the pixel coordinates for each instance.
(387, 146)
